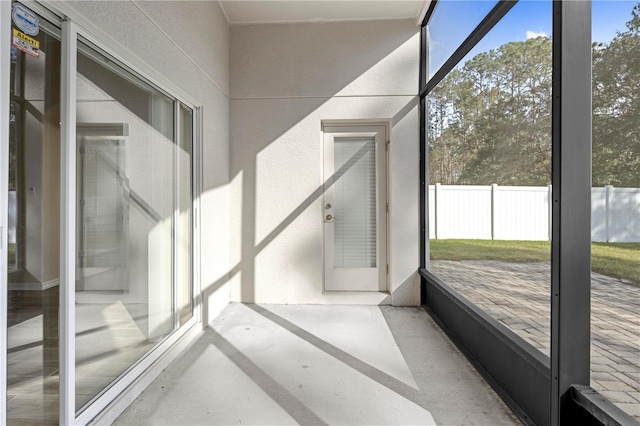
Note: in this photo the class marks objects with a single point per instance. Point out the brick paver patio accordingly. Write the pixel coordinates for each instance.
(517, 294)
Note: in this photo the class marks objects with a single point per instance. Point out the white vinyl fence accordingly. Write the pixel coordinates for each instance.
(524, 213)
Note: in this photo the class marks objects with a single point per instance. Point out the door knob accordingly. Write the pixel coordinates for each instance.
(329, 217)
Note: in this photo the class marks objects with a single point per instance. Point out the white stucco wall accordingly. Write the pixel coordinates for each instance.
(187, 43)
(286, 79)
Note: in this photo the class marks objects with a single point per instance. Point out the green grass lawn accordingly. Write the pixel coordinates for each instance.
(619, 260)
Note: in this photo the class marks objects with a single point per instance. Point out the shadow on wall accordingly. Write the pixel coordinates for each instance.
(281, 75)
(211, 289)
(405, 290)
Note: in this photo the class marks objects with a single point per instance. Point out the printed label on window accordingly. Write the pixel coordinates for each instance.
(25, 19)
(28, 45)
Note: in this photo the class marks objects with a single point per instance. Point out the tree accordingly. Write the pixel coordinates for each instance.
(490, 119)
(616, 108)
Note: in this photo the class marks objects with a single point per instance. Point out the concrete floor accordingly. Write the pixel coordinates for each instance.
(301, 364)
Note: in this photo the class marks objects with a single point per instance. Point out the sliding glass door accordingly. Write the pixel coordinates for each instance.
(33, 257)
(132, 192)
(133, 224)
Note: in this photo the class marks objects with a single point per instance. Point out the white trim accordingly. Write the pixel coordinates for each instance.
(49, 284)
(379, 129)
(126, 58)
(362, 297)
(277, 98)
(34, 286)
(175, 217)
(224, 12)
(5, 82)
(197, 183)
(319, 21)
(67, 324)
(359, 123)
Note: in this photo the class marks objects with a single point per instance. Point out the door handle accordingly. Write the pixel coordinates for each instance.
(329, 218)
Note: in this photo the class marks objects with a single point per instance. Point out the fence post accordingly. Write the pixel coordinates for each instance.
(494, 189)
(550, 204)
(436, 194)
(608, 190)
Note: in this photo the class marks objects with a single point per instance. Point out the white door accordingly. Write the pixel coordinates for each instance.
(354, 208)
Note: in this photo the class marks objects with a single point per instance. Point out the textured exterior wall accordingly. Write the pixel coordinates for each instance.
(187, 42)
(286, 79)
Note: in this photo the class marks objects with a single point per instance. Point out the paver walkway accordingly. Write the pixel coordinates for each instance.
(517, 294)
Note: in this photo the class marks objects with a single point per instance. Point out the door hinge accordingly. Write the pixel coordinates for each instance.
(387, 145)
(387, 269)
(387, 207)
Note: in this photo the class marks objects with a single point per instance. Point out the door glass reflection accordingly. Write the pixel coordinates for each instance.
(34, 206)
(134, 221)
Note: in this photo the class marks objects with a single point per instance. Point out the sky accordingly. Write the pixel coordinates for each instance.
(455, 19)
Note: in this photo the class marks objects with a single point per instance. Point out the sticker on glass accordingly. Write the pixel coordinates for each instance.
(28, 45)
(25, 19)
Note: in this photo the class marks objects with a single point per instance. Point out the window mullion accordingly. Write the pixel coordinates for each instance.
(5, 64)
(196, 227)
(176, 214)
(571, 214)
(68, 221)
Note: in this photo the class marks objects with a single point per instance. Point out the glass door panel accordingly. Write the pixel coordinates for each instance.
(134, 221)
(134, 229)
(34, 224)
(355, 203)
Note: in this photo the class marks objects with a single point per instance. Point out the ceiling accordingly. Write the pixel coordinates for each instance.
(271, 11)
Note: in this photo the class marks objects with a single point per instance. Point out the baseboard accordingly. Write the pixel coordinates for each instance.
(34, 286)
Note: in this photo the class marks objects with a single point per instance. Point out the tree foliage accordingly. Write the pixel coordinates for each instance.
(616, 108)
(490, 119)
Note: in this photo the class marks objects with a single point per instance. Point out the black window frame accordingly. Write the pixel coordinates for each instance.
(541, 390)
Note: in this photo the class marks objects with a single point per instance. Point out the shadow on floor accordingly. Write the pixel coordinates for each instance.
(297, 364)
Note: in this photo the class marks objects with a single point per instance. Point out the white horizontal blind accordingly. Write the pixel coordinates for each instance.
(101, 204)
(355, 202)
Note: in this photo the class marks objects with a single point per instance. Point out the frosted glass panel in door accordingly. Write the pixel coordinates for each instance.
(355, 202)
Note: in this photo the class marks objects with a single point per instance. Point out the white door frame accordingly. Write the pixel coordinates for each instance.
(367, 128)
(5, 82)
